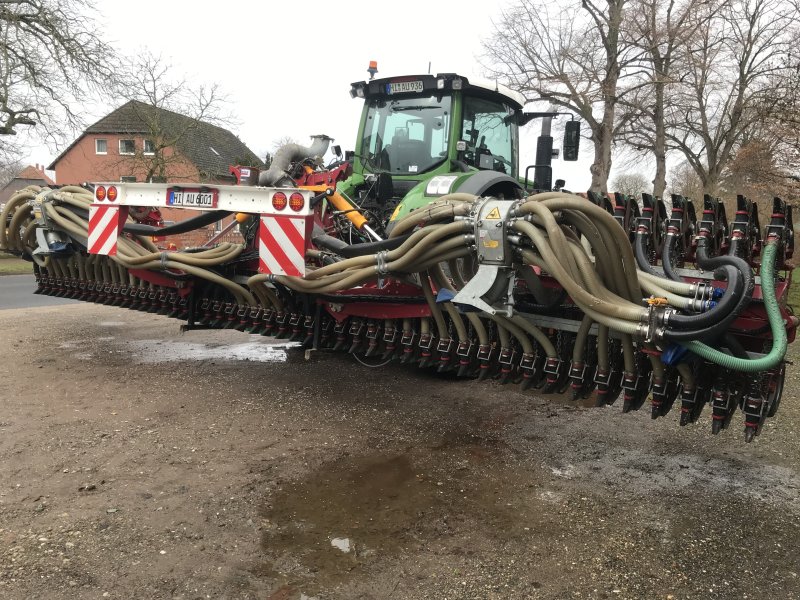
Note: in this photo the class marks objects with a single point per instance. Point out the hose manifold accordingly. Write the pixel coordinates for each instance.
(654, 322)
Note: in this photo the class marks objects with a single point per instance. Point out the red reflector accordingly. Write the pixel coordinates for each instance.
(112, 193)
(279, 201)
(297, 202)
(100, 193)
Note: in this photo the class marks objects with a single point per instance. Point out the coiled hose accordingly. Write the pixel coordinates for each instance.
(779, 338)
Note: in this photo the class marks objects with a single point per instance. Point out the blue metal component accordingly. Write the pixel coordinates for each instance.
(674, 354)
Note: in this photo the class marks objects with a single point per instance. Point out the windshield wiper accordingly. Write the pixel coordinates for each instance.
(402, 108)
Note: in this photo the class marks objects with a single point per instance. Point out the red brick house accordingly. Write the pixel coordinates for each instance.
(138, 143)
(30, 175)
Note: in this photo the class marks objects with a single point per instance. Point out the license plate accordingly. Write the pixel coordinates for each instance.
(404, 87)
(193, 198)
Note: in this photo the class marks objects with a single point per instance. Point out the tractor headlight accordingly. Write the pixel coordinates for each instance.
(440, 185)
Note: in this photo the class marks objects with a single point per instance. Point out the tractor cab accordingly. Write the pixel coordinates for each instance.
(424, 136)
(419, 125)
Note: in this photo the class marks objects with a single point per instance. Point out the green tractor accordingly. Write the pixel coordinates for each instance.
(424, 136)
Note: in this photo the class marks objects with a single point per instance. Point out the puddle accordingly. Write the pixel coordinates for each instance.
(349, 509)
(159, 351)
(356, 510)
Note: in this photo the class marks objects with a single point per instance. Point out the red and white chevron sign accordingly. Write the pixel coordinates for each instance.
(105, 224)
(282, 244)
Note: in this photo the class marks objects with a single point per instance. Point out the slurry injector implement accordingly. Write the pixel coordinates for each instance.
(425, 246)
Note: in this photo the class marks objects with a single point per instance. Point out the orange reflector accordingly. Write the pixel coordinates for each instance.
(279, 201)
(112, 193)
(242, 217)
(100, 193)
(296, 201)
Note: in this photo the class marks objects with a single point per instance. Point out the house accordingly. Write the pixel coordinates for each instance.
(30, 175)
(138, 142)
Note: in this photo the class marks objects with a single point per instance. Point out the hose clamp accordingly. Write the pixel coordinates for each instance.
(445, 346)
(485, 352)
(654, 322)
(164, 259)
(464, 349)
(425, 341)
(506, 356)
(381, 262)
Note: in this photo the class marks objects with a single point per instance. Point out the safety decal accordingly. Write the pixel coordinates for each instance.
(282, 245)
(105, 224)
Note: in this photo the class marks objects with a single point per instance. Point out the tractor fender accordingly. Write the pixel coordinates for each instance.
(499, 183)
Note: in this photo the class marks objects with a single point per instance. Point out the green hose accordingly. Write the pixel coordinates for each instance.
(779, 342)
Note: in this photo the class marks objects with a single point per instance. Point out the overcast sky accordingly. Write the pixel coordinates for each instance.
(287, 66)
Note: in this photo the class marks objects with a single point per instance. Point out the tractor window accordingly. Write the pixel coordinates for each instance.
(406, 135)
(489, 129)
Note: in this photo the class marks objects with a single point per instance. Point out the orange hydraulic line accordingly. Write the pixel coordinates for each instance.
(340, 203)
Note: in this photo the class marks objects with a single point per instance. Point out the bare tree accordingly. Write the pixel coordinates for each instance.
(630, 184)
(662, 30)
(51, 58)
(282, 141)
(9, 168)
(685, 181)
(169, 110)
(734, 62)
(570, 54)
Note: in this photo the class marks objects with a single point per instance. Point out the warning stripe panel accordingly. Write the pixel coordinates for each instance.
(282, 245)
(104, 226)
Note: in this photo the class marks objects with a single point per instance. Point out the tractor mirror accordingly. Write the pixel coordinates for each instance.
(572, 140)
(337, 150)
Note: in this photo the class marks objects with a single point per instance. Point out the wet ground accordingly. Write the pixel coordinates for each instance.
(140, 462)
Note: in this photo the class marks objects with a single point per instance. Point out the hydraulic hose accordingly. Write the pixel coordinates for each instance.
(621, 243)
(628, 311)
(779, 338)
(666, 257)
(733, 301)
(641, 257)
(190, 224)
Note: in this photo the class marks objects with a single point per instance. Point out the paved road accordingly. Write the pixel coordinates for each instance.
(16, 291)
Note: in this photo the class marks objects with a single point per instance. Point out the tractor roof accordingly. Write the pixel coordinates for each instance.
(440, 81)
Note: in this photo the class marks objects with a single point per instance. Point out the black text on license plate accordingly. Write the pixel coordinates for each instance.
(404, 87)
(193, 198)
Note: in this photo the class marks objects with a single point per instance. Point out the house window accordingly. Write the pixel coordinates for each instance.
(128, 179)
(149, 147)
(127, 147)
(158, 179)
(101, 146)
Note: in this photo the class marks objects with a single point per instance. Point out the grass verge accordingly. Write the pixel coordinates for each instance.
(11, 265)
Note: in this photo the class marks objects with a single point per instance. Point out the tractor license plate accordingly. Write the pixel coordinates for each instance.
(193, 198)
(404, 87)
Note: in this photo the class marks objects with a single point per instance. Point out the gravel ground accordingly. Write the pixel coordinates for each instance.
(140, 462)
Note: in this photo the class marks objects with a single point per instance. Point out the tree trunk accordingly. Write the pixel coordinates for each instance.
(660, 144)
(711, 181)
(601, 167)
